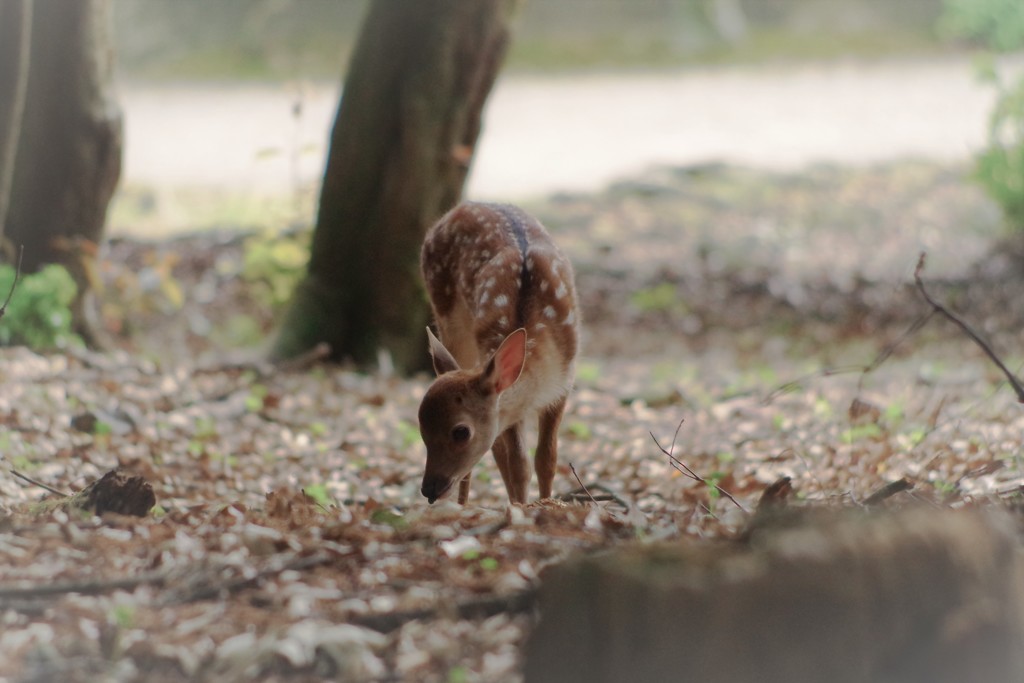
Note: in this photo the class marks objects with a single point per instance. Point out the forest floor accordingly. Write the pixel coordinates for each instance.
(769, 318)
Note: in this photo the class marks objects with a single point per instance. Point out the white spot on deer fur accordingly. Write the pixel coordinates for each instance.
(561, 291)
(529, 263)
(539, 326)
(501, 300)
(549, 311)
(483, 297)
(489, 283)
(503, 320)
(544, 286)
(570, 318)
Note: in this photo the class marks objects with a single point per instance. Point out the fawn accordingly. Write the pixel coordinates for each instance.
(505, 307)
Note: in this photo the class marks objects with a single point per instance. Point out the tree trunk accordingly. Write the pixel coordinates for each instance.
(400, 151)
(15, 39)
(68, 158)
(920, 596)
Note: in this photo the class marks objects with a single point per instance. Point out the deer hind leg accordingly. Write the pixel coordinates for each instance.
(546, 458)
(510, 454)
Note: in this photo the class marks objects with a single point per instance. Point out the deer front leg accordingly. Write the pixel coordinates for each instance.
(464, 489)
(546, 458)
(510, 455)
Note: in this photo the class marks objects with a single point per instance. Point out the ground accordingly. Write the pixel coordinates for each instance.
(756, 325)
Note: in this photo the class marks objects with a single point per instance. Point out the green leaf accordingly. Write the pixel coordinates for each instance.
(580, 429)
(390, 518)
(124, 616)
(318, 492)
(861, 432)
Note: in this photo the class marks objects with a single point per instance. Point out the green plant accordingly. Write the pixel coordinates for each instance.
(123, 615)
(274, 265)
(580, 430)
(999, 24)
(320, 494)
(393, 519)
(861, 433)
(660, 297)
(257, 396)
(1000, 166)
(485, 562)
(459, 674)
(39, 312)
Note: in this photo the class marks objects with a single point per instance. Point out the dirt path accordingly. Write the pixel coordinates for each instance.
(554, 133)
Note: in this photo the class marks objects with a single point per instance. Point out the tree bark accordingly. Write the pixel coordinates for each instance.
(68, 158)
(400, 151)
(15, 39)
(920, 596)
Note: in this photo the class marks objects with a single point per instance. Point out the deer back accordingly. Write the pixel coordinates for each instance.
(489, 270)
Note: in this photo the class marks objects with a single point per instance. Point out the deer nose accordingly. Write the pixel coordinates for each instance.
(434, 488)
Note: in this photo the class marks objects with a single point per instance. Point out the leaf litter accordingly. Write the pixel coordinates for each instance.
(290, 541)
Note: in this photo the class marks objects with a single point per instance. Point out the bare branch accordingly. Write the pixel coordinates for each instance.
(888, 491)
(14, 283)
(83, 586)
(582, 485)
(967, 329)
(684, 468)
(30, 480)
(472, 608)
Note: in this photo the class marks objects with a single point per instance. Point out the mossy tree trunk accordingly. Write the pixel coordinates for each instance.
(915, 596)
(400, 150)
(68, 152)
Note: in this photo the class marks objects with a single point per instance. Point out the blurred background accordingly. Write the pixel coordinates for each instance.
(228, 105)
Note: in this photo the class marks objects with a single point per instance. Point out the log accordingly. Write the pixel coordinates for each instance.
(917, 596)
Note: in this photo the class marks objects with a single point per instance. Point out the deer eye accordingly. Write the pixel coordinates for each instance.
(460, 433)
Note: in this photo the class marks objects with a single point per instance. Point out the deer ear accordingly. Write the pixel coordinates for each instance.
(443, 360)
(507, 362)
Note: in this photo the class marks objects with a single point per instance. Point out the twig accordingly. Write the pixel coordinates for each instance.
(582, 485)
(474, 608)
(684, 469)
(967, 329)
(864, 370)
(795, 384)
(164, 578)
(266, 368)
(304, 361)
(207, 587)
(84, 587)
(607, 495)
(14, 284)
(40, 484)
(888, 491)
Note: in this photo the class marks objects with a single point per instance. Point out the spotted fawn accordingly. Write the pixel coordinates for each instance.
(505, 308)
